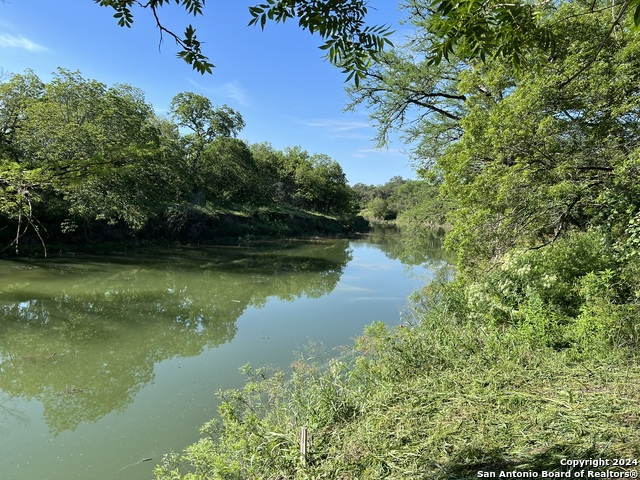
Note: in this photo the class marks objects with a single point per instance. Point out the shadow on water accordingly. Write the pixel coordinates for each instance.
(81, 334)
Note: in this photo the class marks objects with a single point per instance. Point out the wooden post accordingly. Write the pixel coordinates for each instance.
(303, 445)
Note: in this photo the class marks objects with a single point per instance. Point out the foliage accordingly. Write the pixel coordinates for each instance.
(228, 173)
(524, 156)
(481, 30)
(546, 158)
(191, 47)
(377, 201)
(406, 93)
(408, 202)
(513, 31)
(349, 43)
(468, 29)
(79, 159)
(77, 150)
(207, 122)
(312, 182)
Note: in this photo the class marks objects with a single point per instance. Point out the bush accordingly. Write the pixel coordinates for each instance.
(550, 276)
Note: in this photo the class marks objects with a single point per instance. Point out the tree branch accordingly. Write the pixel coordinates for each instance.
(616, 22)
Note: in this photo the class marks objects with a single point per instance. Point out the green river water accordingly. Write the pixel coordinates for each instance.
(108, 362)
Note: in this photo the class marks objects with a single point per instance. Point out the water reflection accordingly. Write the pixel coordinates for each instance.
(82, 335)
(8, 413)
(417, 247)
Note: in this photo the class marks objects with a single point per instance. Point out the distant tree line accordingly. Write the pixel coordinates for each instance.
(79, 158)
(414, 202)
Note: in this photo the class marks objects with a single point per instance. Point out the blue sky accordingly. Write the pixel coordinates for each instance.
(276, 78)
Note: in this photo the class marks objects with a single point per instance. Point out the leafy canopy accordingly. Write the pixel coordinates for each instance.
(528, 154)
(80, 160)
(350, 44)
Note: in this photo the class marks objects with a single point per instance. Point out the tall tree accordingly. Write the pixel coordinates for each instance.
(550, 156)
(527, 154)
(206, 123)
(229, 173)
(77, 150)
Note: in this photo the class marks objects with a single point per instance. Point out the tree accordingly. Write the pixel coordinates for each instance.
(549, 156)
(524, 155)
(323, 185)
(420, 204)
(380, 209)
(410, 202)
(80, 158)
(404, 92)
(273, 187)
(229, 172)
(17, 184)
(475, 31)
(294, 177)
(74, 150)
(196, 113)
(513, 30)
(206, 122)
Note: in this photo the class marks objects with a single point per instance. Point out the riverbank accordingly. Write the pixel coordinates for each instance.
(461, 390)
(195, 225)
(441, 398)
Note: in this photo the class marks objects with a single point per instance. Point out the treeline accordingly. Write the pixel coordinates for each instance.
(405, 202)
(83, 161)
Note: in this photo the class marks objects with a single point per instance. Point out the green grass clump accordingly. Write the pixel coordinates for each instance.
(444, 396)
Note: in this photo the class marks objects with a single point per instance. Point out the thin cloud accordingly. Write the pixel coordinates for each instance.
(338, 125)
(336, 128)
(231, 90)
(354, 136)
(365, 152)
(19, 42)
(234, 90)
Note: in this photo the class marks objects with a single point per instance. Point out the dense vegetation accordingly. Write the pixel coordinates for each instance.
(530, 354)
(413, 203)
(81, 161)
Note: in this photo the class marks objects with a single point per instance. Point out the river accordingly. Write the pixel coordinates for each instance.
(108, 362)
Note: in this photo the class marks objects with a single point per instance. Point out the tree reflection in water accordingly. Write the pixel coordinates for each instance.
(82, 334)
(416, 247)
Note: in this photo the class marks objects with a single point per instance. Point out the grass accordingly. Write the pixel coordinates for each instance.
(441, 397)
(451, 400)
